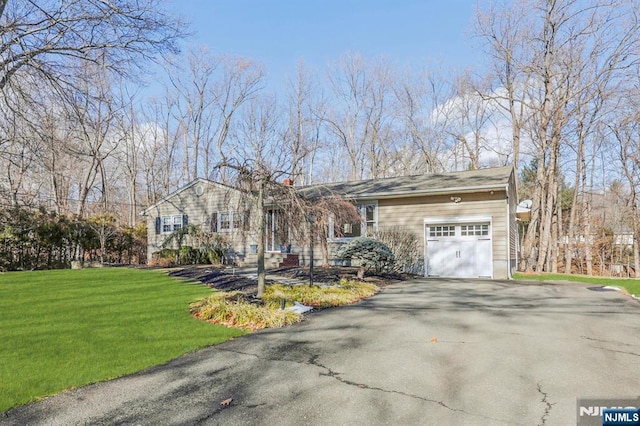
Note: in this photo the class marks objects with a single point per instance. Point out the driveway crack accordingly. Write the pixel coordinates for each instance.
(548, 405)
(606, 341)
(328, 372)
(336, 375)
(616, 351)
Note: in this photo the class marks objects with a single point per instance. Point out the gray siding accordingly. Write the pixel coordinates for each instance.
(198, 208)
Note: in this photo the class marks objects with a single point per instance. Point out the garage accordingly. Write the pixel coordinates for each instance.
(458, 248)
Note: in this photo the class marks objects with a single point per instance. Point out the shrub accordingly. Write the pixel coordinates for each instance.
(188, 255)
(372, 253)
(161, 262)
(345, 293)
(213, 246)
(166, 253)
(405, 247)
(233, 310)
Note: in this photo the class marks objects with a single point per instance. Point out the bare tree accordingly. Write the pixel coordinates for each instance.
(160, 138)
(259, 166)
(627, 134)
(49, 37)
(360, 119)
(303, 132)
(467, 118)
(128, 152)
(206, 96)
(193, 88)
(553, 58)
(507, 29)
(241, 81)
(92, 112)
(259, 163)
(418, 96)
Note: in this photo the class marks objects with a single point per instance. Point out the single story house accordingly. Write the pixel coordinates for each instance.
(466, 221)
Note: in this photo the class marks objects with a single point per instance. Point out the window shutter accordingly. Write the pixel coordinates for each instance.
(185, 220)
(214, 222)
(158, 225)
(247, 220)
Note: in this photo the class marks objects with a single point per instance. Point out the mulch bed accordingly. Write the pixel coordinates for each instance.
(224, 279)
(220, 279)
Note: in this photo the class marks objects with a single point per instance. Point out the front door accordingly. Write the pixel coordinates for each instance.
(276, 237)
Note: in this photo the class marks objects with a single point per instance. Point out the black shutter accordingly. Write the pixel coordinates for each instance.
(247, 220)
(214, 222)
(185, 220)
(158, 225)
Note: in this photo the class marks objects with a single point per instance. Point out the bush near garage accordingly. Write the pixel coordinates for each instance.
(373, 254)
(405, 246)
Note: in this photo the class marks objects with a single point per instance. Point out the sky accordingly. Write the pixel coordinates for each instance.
(281, 33)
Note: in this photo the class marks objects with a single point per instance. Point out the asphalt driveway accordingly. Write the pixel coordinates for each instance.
(421, 352)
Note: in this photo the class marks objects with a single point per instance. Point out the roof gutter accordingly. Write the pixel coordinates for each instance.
(440, 191)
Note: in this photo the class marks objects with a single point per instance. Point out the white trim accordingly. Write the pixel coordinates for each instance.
(362, 209)
(509, 240)
(233, 218)
(419, 192)
(184, 188)
(441, 220)
(172, 223)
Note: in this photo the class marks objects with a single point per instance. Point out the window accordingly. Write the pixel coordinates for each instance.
(172, 223)
(442, 231)
(226, 221)
(167, 224)
(177, 223)
(236, 220)
(474, 230)
(366, 226)
(371, 224)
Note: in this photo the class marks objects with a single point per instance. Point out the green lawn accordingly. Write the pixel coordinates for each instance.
(67, 328)
(632, 285)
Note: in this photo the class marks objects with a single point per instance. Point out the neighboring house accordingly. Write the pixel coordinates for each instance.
(466, 221)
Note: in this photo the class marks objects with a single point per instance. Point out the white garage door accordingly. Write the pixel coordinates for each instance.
(458, 250)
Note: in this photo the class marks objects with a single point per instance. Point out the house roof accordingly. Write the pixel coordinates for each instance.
(404, 186)
(185, 187)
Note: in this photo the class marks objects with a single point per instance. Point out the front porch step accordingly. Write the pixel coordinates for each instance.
(290, 260)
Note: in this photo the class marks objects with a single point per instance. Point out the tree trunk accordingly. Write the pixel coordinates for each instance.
(588, 255)
(261, 239)
(556, 231)
(636, 253)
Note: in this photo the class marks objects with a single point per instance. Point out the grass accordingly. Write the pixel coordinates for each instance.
(67, 328)
(630, 284)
